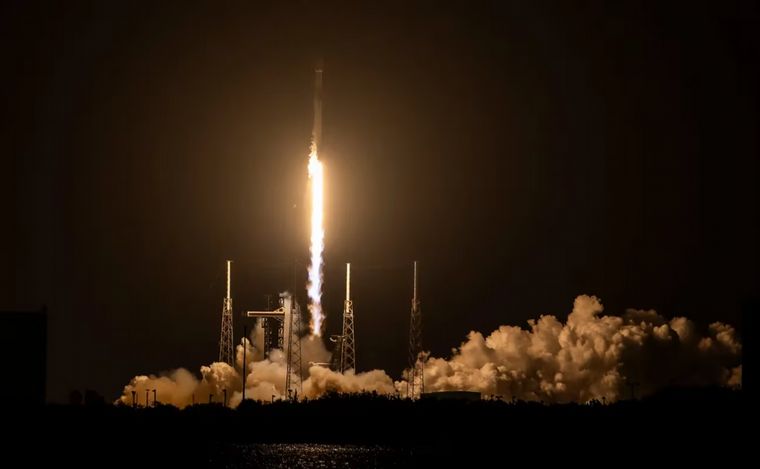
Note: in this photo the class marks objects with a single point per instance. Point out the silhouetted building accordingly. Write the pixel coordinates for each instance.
(92, 398)
(75, 397)
(23, 351)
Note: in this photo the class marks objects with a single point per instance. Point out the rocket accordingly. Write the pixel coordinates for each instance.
(316, 132)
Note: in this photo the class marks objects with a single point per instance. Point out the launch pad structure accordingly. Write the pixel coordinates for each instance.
(282, 326)
(283, 329)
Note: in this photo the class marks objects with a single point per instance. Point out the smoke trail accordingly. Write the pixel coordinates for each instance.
(314, 287)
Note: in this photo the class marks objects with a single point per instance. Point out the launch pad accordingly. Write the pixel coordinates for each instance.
(282, 327)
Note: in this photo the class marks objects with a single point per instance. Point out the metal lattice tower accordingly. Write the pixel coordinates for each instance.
(286, 323)
(293, 380)
(273, 331)
(348, 347)
(416, 383)
(225, 338)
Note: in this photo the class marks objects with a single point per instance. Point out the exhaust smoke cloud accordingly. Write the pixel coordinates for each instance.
(589, 356)
(265, 379)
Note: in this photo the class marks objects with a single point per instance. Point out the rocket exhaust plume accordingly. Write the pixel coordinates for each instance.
(316, 250)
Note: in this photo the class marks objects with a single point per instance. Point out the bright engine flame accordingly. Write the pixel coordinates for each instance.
(314, 287)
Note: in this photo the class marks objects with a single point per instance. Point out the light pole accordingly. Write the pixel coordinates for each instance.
(245, 371)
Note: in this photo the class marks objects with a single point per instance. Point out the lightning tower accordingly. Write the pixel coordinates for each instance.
(348, 348)
(416, 383)
(225, 338)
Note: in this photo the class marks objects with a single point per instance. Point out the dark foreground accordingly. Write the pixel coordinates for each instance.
(678, 426)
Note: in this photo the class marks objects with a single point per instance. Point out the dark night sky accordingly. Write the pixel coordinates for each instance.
(523, 152)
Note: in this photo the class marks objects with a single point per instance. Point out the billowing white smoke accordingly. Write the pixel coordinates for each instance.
(181, 388)
(589, 357)
(265, 380)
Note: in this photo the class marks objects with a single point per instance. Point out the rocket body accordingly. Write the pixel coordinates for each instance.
(316, 132)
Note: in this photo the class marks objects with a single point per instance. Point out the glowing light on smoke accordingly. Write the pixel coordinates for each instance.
(589, 356)
(314, 287)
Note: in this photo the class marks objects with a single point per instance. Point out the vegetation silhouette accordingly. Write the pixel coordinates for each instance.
(427, 428)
